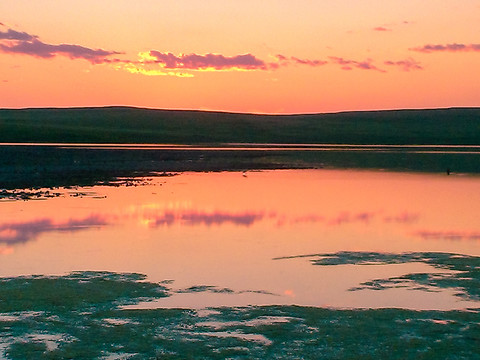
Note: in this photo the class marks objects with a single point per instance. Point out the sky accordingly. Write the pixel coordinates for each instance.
(260, 56)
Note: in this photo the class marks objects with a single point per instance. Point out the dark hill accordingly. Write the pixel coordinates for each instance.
(135, 125)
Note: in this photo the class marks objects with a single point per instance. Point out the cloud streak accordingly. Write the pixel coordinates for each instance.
(347, 64)
(159, 63)
(381, 28)
(282, 60)
(155, 63)
(193, 217)
(405, 65)
(22, 43)
(207, 61)
(11, 34)
(448, 235)
(22, 232)
(455, 47)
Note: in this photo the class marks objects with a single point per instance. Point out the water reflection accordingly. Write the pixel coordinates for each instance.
(461, 272)
(448, 235)
(21, 232)
(195, 217)
(211, 231)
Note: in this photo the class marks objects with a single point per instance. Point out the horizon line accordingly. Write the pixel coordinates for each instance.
(235, 112)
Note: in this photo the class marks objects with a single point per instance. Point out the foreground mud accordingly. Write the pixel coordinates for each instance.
(86, 315)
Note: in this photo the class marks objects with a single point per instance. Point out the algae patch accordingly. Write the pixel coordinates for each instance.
(462, 272)
(81, 316)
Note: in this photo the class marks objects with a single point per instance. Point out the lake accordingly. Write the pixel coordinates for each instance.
(226, 256)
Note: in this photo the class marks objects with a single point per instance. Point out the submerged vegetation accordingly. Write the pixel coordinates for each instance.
(82, 316)
(462, 272)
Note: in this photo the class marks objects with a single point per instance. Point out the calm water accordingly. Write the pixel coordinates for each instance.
(214, 266)
(205, 232)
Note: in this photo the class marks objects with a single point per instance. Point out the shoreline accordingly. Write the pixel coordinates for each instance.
(37, 166)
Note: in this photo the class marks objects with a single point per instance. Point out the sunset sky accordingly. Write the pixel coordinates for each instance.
(263, 56)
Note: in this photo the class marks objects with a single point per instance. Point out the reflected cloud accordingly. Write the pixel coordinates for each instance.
(194, 217)
(153, 217)
(403, 218)
(448, 235)
(346, 218)
(6, 250)
(21, 232)
(312, 218)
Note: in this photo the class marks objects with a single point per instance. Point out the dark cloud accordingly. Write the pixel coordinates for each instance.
(21, 232)
(208, 61)
(16, 42)
(39, 49)
(447, 48)
(16, 35)
(405, 65)
(347, 64)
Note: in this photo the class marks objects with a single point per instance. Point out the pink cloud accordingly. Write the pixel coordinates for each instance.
(309, 62)
(215, 61)
(286, 61)
(281, 57)
(447, 48)
(16, 42)
(405, 65)
(347, 64)
(39, 49)
(156, 62)
(381, 28)
(11, 34)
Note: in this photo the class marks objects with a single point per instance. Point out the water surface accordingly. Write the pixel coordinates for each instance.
(236, 239)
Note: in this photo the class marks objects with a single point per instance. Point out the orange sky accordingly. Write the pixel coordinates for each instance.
(269, 56)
